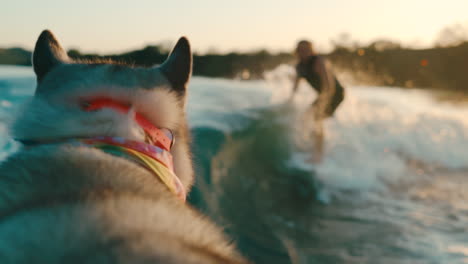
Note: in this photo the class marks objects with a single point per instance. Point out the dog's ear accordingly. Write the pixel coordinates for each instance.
(178, 66)
(47, 54)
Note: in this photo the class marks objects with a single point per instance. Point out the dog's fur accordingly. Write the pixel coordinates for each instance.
(62, 203)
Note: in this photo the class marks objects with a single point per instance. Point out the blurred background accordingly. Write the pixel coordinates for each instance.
(392, 185)
(397, 43)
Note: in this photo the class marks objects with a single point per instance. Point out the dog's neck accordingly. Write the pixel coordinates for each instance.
(153, 158)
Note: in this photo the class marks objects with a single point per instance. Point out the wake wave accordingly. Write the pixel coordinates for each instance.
(376, 137)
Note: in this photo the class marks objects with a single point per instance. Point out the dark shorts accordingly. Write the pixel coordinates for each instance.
(333, 104)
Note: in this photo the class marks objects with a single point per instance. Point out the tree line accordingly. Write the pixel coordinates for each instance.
(379, 63)
(387, 63)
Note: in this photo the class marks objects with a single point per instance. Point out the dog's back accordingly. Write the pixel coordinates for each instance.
(65, 202)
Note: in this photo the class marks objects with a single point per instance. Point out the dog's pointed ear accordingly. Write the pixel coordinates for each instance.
(48, 53)
(178, 66)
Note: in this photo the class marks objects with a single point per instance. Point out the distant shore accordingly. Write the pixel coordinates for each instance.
(380, 63)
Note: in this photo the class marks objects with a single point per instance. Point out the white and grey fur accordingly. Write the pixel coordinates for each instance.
(62, 203)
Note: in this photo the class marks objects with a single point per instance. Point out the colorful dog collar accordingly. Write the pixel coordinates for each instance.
(153, 158)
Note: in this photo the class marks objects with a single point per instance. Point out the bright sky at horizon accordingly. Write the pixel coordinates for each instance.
(107, 26)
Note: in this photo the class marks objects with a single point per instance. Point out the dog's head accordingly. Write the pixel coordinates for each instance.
(64, 85)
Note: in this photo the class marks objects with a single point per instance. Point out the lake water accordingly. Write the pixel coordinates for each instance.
(392, 187)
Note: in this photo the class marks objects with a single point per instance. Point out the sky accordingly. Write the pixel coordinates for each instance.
(108, 26)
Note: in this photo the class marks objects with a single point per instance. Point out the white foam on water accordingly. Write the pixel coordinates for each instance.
(212, 100)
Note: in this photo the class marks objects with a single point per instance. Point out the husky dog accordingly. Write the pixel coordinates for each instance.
(65, 201)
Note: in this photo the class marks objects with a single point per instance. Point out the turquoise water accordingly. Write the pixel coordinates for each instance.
(392, 187)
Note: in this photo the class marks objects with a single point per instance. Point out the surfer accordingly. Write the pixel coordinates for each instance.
(330, 93)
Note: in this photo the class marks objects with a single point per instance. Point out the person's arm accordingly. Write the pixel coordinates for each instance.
(327, 81)
(295, 85)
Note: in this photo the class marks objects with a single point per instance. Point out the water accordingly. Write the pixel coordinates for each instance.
(392, 187)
